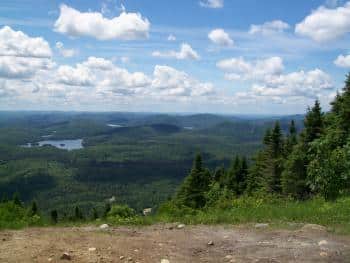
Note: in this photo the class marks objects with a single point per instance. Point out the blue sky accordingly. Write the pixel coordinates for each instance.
(219, 56)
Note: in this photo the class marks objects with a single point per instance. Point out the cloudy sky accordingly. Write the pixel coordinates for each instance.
(219, 56)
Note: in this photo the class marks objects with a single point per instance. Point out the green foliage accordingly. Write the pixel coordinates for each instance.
(121, 211)
(192, 192)
(54, 216)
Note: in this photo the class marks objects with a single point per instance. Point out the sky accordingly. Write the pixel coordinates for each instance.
(208, 56)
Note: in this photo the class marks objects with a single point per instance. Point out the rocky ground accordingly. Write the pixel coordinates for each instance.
(170, 244)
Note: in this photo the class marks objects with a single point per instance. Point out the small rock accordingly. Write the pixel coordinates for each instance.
(121, 257)
(104, 226)
(313, 227)
(210, 243)
(228, 257)
(147, 211)
(66, 256)
(164, 261)
(323, 254)
(130, 259)
(50, 259)
(322, 243)
(180, 226)
(92, 249)
(261, 225)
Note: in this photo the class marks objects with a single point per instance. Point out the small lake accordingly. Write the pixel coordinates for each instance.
(114, 125)
(60, 144)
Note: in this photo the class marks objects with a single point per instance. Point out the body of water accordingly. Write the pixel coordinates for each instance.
(114, 125)
(61, 144)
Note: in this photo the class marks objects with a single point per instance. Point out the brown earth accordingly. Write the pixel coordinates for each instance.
(190, 244)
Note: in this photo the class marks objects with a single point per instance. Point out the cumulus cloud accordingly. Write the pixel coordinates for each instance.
(343, 61)
(212, 3)
(240, 69)
(67, 53)
(170, 82)
(126, 26)
(21, 56)
(268, 80)
(18, 44)
(220, 37)
(325, 24)
(185, 52)
(271, 27)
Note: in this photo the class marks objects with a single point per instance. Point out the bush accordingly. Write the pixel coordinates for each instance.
(121, 211)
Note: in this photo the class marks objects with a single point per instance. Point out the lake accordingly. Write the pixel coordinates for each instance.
(60, 144)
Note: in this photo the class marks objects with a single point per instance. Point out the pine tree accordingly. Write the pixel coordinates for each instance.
(78, 215)
(232, 175)
(107, 209)
(192, 192)
(54, 216)
(94, 214)
(291, 138)
(242, 176)
(34, 209)
(313, 123)
(16, 199)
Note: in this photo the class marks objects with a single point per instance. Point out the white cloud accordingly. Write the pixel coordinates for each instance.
(22, 56)
(170, 82)
(343, 61)
(186, 52)
(271, 27)
(325, 24)
(22, 67)
(220, 37)
(18, 44)
(78, 76)
(126, 26)
(212, 3)
(67, 53)
(98, 63)
(239, 68)
(268, 80)
(171, 37)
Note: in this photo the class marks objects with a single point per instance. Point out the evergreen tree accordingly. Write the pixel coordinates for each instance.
(242, 176)
(232, 175)
(313, 123)
(94, 214)
(192, 192)
(34, 209)
(291, 138)
(54, 216)
(106, 210)
(17, 199)
(78, 215)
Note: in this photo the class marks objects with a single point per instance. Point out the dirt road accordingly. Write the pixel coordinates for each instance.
(165, 242)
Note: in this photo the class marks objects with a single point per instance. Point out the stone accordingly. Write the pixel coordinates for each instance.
(66, 256)
(180, 226)
(104, 226)
(164, 261)
(147, 211)
(322, 243)
(121, 257)
(261, 225)
(210, 243)
(130, 259)
(92, 249)
(313, 227)
(324, 254)
(228, 257)
(50, 259)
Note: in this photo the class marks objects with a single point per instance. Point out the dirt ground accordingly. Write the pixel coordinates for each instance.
(160, 243)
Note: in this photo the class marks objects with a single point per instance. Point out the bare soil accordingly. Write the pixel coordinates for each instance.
(190, 244)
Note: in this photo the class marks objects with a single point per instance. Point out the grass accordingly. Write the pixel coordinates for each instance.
(334, 215)
(277, 212)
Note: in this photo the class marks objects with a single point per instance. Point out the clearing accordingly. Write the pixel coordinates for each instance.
(310, 243)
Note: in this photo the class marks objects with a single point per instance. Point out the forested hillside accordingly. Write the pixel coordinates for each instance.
(315, 162)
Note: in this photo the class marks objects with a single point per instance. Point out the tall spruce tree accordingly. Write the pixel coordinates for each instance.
(192, 192)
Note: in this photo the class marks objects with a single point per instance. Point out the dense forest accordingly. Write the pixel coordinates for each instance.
(313, 162)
